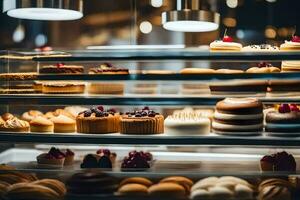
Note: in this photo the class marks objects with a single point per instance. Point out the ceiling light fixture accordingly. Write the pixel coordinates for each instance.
(189, 18)
(50, 10)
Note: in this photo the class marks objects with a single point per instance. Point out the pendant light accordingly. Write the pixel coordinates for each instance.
(189, 18)
(50, 10)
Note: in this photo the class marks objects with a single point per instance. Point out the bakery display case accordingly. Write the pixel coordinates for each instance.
(150, 124)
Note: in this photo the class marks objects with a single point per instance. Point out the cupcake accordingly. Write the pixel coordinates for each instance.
(63, 124)
(41, 124)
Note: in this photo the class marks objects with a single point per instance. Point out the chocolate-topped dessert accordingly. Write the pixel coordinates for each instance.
(98, 121)
(142, 122)
(61, 68)
(281, 161)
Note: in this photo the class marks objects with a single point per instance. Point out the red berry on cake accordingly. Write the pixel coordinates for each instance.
(227, 38)
(60, 65)
(284, 108)
(296, 38)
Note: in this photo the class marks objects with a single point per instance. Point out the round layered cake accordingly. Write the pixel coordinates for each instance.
(292, 45)
(98, 121)
(225, 46)
(284, 121)
(238, 116)
(142, 122)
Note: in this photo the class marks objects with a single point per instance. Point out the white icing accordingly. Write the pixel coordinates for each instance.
(221, 126)
(292, 43)
(219, 115)
(219, 43)
(240, 100)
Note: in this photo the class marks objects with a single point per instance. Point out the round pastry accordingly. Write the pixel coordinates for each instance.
(133, 189)
(30, 115)
(187, 123)
(15, 125)
(53, 184)
(91, 183)
(238, 116)
(63, 124)
(41, 125)
(290, 66)
(142, 122)
(225, 45)
(11, 178)
(274, 189)
(69, 159)
(263, 67)
(104, 87)
(197, 71)
(229, 71)
(239, 87)
(293, 45)
(61, 68)
(7, 116)
(281, 161)
(138, 180)
(284, 121)
(183, 181)
(54, 157)
(98, 121)
(60, 87)
(167, 190)
(260, 48)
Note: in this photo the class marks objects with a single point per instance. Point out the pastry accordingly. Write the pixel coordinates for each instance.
(54, 157)
(281, 161)
(98, 121)
(14, 125)
(69, 157)
(275, 189)
(137, 161)
(225, 45)
(183, 181)
(263, 67)
(168, 189)
(53, 184)
(142, 122)
(61, 68)
(187, 122)
(293, 45)
(3, 189)
(31, 114)
(41, 124)
(133, 189)
(74, 111)
(284, 121)
(226, 187)
(63, 124)
(197, 71)
(38, 86)
(60, 87)
(18, 76)
(260, 48)
(91, 183)
(7, 116)
(238, 116)
(239, 87)
(105, 87)
(136, 180)
(290, 66)
(229, 71)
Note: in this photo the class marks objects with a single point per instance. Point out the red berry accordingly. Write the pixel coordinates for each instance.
(294, 107)
(60, 65)
(296, 38)
(227, 38)
(284, 108)
(100, 108)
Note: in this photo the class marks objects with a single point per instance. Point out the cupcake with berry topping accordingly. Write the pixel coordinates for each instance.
(284, 121)
(292, 45)
(105, 87)
(225, 45)
(137, 161)
(98, 121)
(54, 158)
(142, 122)
(263, 67)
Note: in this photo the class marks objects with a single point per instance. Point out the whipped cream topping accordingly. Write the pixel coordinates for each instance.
(292, 43)
(219, 43)
(223, 116)
(16, 123)
(221, 126)
(240, 100)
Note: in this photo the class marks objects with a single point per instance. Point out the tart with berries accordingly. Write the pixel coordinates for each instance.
(142, 122)
(137, 161)
(225, 45)
(98, 121)
(61, 68)
(283, 121)
(292, 45)
(104, 87)
(281, 161)
(54, 158)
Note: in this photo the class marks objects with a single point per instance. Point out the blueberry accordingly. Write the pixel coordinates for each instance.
(87, 113)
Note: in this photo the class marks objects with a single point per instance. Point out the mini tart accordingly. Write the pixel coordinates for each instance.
(63, 124)
(15, 125)
(103, 123)
(219, 45)
(30, 115)
(63, 88)
(62, 69)
(290, 46)
(41, 124)
(42, 159)
(136, 124)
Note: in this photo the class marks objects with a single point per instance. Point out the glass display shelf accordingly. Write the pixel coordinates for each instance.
(135, 100)
(164, 139)
(168, 77)
(169, 54)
